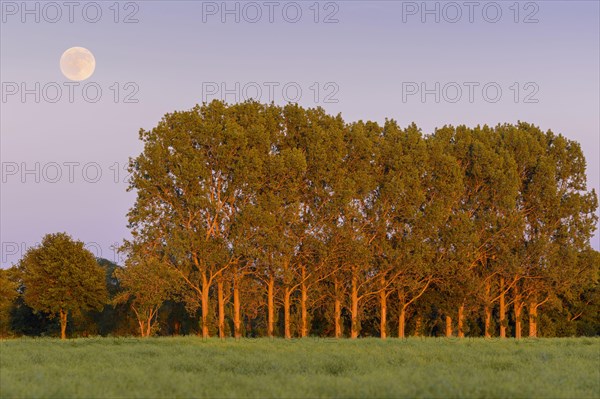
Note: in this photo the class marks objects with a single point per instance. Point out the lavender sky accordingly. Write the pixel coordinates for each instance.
(433, 63)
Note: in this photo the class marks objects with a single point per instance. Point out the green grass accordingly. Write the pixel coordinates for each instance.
(189, 367)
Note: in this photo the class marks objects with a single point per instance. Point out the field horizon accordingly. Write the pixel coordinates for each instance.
(315, 367)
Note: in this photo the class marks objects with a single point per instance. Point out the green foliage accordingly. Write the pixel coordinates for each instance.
(147, 284)
(62, 276)
(9, 286)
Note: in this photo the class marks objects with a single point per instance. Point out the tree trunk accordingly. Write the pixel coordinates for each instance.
(303, 310)
(271, 307)
(205, 333)
(532, 319)
(221, 300)
(354, 308)
(337, 310)
(402, 322)
(401, 314)
(286, 312)
(518, 306)
(237, 323)
(63, 324)
(448, 326)
(205, 288)
(488, 320)
(461, 315)
(149, 326)
(418, 322)
(487, 310)
(502, 310)
(383, 302)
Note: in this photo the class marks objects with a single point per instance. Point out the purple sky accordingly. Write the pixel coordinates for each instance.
(371, 60)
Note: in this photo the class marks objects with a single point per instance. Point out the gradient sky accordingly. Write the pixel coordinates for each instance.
(365, 61)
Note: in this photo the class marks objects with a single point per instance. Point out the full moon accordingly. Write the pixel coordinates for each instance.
(77, 63)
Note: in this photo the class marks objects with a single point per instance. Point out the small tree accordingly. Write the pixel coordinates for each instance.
(148, 283)
(61, 276)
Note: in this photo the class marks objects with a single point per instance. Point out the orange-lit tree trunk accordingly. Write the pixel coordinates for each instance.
(63, 324)
(142, 328)
(303, 301)
(448, 326)
(532, 319)
(383, 304)
(237, 323)
(533, 316)
(221, 304)
(149, 325)
(487, 310)
(402, 322)
(337, 309)
(502, 309)
(461, 319)
(271, 306)
(488, 320)
(403, 305)
(518, 307)
(286, 312)
(354, 307)
(144, 319)
(205, 333)
(401, 314)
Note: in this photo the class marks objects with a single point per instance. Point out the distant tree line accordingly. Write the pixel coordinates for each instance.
(260, 220)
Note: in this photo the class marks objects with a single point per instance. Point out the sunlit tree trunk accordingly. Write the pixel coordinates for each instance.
(402, 322)
(142, 328)
(63, 324)
(221, 304)
(383, 303)
(149, 325)
(271, 306)
(205, 333)
(488, 321)
(337, 309)
(303, 300)
(532, 319)
(286, 312)
(461, 319)
(518, 307)
(237, 323)
(141, 321)
(487, 310)
(448, 326)
(354, 307)
(401, 315)
(502, 310)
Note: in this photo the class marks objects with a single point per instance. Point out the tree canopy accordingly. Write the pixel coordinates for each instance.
(60, 277)
(319, 213)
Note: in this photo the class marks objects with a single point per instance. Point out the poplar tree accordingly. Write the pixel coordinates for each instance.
(192, 180)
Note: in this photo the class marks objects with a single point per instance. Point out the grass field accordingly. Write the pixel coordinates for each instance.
(188, 367)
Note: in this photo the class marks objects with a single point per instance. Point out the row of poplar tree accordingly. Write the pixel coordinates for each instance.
(268, 220)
